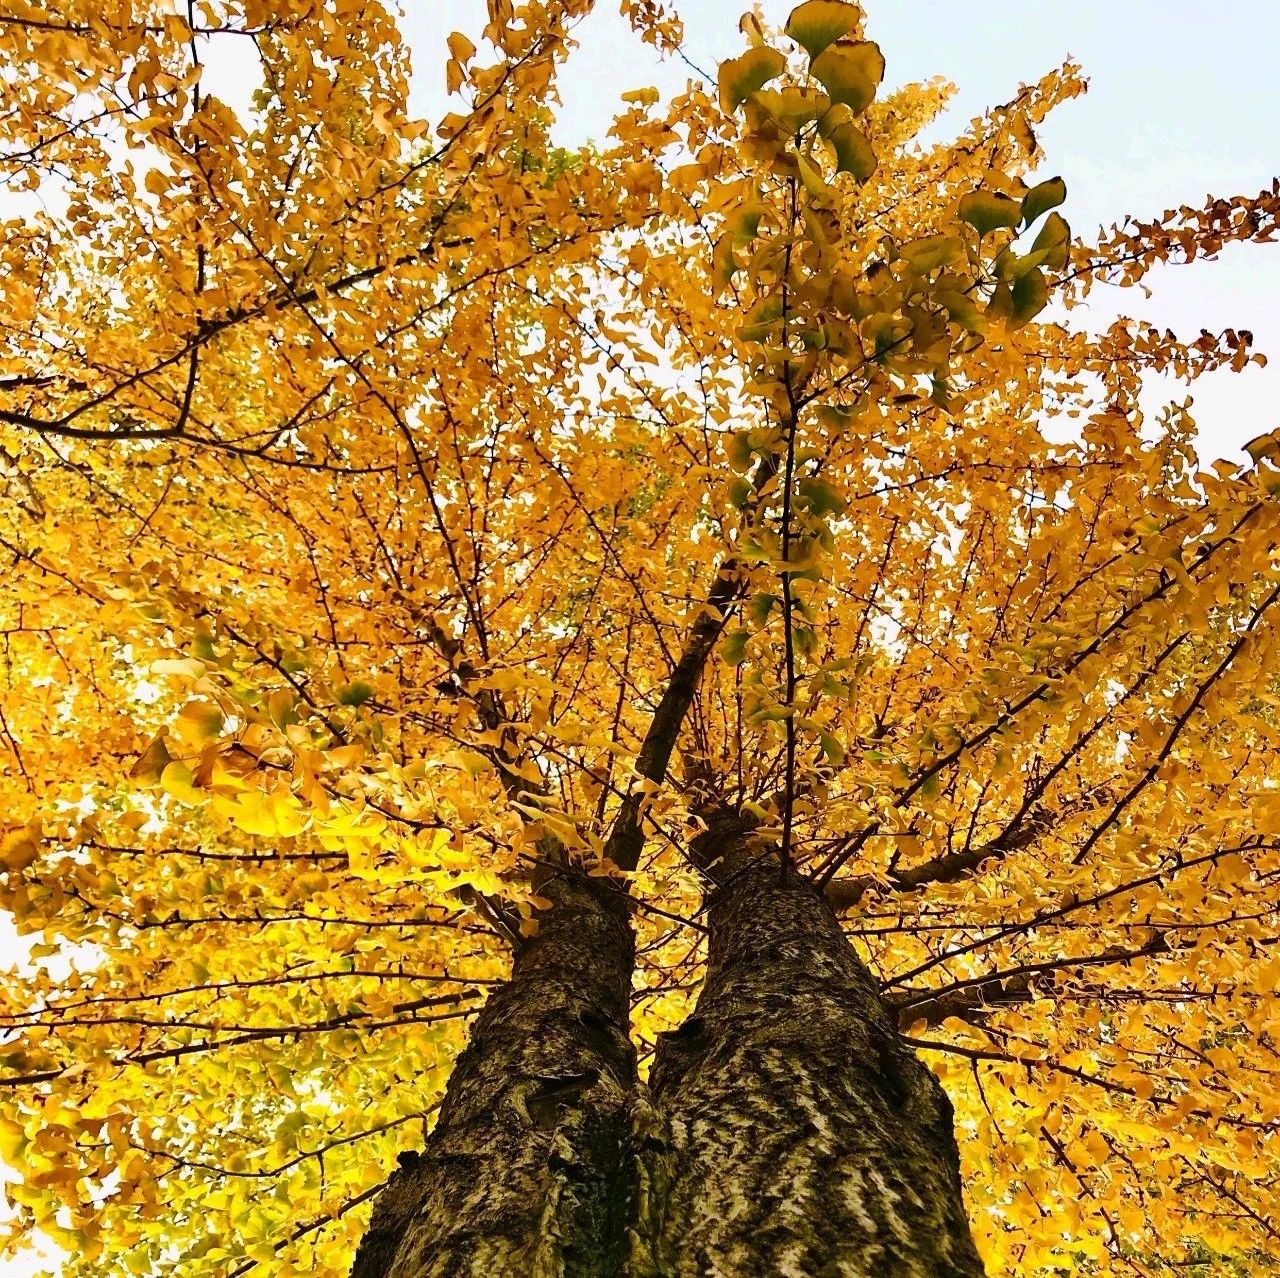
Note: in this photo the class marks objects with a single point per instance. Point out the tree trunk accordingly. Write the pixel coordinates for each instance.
(791, 1132)
(799, 1135)
(528, 1170)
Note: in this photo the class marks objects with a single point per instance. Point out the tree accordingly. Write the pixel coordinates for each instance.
(636, 613)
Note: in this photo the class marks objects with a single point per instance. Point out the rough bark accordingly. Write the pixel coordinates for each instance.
(528, 1170)
(798, 1135)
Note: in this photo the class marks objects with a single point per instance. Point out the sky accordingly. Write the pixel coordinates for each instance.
(1182, 104)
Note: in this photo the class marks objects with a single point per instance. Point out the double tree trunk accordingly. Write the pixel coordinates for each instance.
(787, 1129)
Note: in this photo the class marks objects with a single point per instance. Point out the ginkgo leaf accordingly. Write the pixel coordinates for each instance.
(1264, 447)
(987, 211)
(744, 224)
(818, 23)
(740, 450)
(886, 332)
(932, 252)
(838, 417)
(20, 848)
(1054, 241)
(1040, 199)
(461, 48)
(151, 765)
(813, 182)
(356, 693)
(832, 748)
(1030, 295)
(724, 261)
(760, 607)
(740, 77)
(179, 781)
(763, 321)
(850, 73)
(13, 1141)
(199, 720)
(734, 646)
(854, 154)
(822, 498)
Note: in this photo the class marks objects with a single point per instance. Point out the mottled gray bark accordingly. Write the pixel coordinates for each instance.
(796, 1134)
(527, 1173)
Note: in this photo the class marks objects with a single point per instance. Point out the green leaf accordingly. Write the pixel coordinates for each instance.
(962, 309)
(734, 648)
(723, 264)
(1054, 240)
(202, 647)
(818, 23)
(1040, 199)
(1030, 295)
(932, 251)
(886, 331)
(178, 780)
(740, 77)
(831, 747)
(739, 450)
(987, 210)
(1000, 304)
(199, 720)
(853, 151)
(1013, 266)
(851, 73)
(355, 694)
(744, 224)
(760, 607)
(473, 764)
(771, 713)
(811, 178)
(837, 417)
(13, 1141)
(821, 497)
(762, 321)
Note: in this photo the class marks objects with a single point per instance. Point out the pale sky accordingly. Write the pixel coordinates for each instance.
(1184, 102)
(1181, 105)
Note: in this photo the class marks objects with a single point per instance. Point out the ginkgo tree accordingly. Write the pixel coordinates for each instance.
(658, 709)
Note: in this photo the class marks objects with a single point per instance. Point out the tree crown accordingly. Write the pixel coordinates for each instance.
(363, 484)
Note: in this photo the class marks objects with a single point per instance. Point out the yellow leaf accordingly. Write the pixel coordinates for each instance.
(740, 77)
(851, 73)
